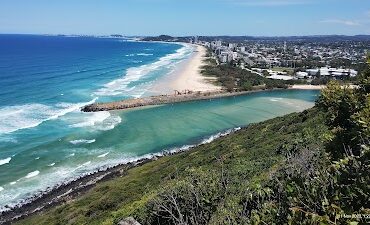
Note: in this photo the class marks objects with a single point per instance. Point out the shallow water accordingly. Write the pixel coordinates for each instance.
(53, 158)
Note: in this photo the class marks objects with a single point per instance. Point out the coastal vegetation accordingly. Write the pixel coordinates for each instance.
(215, 182)
(303, 168)
(236, 79)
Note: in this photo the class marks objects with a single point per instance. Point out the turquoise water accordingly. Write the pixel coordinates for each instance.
(54, 158)
(45, 140)
(44, 82)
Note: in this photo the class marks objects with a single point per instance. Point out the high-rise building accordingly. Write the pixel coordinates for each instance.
(284, 46)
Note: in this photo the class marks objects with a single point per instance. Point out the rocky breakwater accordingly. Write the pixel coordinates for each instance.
(158, 100)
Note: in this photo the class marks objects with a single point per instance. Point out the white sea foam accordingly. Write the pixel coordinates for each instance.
(12, 183)
(13, 118)
(1, 188)
(32, 174)
(144, 54)
(51, 164)
(83, 165)
(99, 121)
(82, 141)
(21, 194)
(218, 135)
(276, 99)
(133, 74)
(103, 155)
(204, 141)
(109, 123)
(93, 119)
(5, 161)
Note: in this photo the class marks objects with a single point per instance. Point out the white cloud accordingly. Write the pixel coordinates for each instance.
(270, 2)
(342, 22)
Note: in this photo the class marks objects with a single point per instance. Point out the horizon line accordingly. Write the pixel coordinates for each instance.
(181, 36)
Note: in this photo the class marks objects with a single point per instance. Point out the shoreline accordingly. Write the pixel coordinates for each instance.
(70, 190)
(181, 97)
(186, 76)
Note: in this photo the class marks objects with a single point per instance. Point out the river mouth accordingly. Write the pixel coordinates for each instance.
(122, 136)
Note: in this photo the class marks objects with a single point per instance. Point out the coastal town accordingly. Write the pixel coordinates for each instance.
(292, 59)
(312, 59)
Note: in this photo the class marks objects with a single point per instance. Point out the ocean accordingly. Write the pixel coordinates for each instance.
(44, 138)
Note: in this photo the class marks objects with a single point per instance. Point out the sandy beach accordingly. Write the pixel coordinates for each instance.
(307, 87)
(186, 76)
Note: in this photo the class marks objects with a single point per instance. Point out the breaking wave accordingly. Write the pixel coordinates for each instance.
(119, 86)
(103, 155)
(99, 121)
(82, 141)
(71, 174)
(5, 161)
(32, 174)
(13, 118)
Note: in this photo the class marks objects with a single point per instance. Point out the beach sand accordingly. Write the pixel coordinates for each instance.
(307, 87)
(186, 76)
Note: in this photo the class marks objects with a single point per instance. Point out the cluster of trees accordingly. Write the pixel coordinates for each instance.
(237, 79)
(338, 191)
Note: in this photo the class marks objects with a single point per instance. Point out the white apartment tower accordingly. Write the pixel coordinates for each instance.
(284, 46)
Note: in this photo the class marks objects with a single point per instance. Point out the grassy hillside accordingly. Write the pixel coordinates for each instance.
(303, 168)
(218, 176)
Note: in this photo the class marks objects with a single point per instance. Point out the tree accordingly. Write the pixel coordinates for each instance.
(347, 109)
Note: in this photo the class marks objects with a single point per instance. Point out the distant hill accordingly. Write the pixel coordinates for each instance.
(236, 39)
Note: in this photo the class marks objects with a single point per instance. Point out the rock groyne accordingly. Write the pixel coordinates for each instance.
(159, 100)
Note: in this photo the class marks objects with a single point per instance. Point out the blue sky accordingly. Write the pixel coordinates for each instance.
(186, 17)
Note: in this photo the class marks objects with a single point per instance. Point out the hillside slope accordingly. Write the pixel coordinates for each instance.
(218, 176)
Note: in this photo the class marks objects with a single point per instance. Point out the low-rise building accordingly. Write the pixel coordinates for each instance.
(280, 77)
(302, 75)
